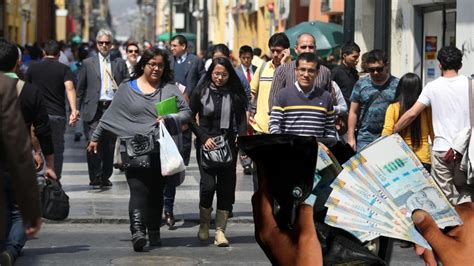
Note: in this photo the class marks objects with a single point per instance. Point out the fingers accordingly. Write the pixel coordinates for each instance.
(49, 173)
(429, 258)
(419, 250)
(262, 206)
(251, 120)
(353, 146)
(92, 147)
(430, 231)
(465, 211)
(210, 144)
(34, 228)
(38, 162)
(305, 220)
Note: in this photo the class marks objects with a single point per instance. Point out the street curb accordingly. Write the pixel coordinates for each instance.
(118, 220)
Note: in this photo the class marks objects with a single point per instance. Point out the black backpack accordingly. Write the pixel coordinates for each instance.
(54, 201)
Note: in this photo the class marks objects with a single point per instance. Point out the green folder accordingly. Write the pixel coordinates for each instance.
(167, 106)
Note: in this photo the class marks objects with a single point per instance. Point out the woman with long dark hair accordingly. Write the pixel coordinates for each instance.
(132, 113)
(220, 104)
(416, 135)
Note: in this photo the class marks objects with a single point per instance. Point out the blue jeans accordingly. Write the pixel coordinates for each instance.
(361, 144)
(16, 235)
(58, 129)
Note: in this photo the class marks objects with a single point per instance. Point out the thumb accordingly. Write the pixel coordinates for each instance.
(430, 231)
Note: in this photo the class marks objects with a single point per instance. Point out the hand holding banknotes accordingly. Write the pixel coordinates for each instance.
(296, 247)
(453, 248)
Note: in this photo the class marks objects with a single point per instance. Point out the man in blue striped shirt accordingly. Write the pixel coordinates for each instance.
(303, 108)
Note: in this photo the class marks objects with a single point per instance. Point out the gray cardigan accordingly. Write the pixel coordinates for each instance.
(132, 113)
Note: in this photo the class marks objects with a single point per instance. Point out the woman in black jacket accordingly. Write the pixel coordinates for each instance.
(220, 103)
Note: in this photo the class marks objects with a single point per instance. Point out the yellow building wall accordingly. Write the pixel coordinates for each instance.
(13, 20)
(221, 15)
(61, 20)
(254, 28)
(31, 35)
(19, 16)
(250, 27)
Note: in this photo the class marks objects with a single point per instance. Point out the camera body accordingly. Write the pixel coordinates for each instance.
(287, 163)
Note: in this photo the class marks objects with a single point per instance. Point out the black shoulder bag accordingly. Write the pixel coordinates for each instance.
(221, 156)
(137, 151)
(54, 201)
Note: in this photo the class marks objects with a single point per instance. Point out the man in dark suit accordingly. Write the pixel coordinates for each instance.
(97, 82)
(246, 66)
(188, 70)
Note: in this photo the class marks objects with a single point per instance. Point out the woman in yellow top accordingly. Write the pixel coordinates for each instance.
(416, 135)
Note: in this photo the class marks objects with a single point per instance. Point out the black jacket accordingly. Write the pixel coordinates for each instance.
(209, 126)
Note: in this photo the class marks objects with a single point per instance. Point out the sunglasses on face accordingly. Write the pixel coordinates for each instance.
(378, 69)
(307, 47)
(132, 51)
(102, 43)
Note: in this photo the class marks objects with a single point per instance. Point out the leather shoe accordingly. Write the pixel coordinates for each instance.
(169, 219)
(77, 137)
(248, 170)
(95, 183)
(106, 183)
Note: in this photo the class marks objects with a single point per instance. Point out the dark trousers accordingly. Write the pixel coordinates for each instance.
(100, 164)
(58, 129)
(146, 194)
(219, 181)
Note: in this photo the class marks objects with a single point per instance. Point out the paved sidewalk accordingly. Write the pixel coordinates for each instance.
(111, 205)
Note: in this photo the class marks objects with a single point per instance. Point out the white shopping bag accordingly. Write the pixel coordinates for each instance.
(170, 158)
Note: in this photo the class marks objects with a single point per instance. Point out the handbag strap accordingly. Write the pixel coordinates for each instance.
(471, 102)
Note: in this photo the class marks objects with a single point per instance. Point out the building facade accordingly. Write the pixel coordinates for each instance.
(414, 32)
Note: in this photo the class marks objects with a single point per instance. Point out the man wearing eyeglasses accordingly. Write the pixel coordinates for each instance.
(303, 108)
(133, 56)
(285, 74)
(97, 82)
(369, 101)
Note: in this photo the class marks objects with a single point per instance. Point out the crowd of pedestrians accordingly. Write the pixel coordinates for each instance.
(113, 91)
